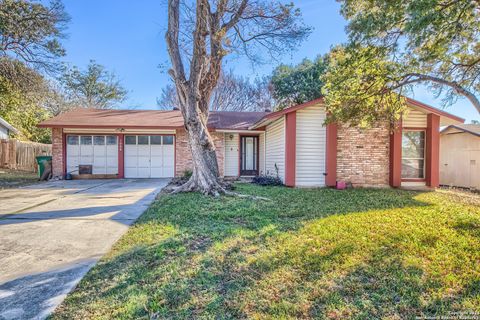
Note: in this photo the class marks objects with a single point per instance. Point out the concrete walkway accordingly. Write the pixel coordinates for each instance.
(51, 234)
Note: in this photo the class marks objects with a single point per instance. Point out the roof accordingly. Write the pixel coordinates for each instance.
(234, 120)
(451, 119)
(147, 119)
(172, 119)
(468, 128)
(7, 125)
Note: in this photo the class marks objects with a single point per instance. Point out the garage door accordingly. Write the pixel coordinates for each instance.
(149, 156)
(99, 151)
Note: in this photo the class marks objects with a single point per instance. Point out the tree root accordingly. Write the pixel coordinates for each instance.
(216, 191)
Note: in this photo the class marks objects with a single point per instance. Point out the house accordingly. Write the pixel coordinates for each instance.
(292, 143)
(460, 156)
(6, 129)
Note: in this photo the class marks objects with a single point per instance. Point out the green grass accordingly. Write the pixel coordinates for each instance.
(320, 253)
(15, 178)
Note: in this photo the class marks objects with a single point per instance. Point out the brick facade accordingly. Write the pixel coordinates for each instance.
(183, 157)
(57, 152)
(363, 156)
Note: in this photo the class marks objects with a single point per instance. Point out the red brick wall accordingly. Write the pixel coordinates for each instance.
(183, 157)
(363, 156)
(57, 152)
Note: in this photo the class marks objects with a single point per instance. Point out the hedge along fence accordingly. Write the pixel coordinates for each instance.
(20, 155)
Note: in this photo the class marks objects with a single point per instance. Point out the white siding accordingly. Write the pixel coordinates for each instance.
(231, 154)
(261, 151)
(275, 149)
(310, 152)
(415, 119)
(460, 160)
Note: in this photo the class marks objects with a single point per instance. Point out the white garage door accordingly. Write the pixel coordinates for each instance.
(101, 152)
(149, 156)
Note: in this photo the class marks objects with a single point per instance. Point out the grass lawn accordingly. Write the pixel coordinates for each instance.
(320, 253)
(15, 178)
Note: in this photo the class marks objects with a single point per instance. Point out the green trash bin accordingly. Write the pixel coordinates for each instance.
(41, 164)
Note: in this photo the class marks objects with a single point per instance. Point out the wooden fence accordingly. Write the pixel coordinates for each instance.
(20, 155)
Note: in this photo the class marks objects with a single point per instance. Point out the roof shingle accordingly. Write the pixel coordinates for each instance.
(148, 119)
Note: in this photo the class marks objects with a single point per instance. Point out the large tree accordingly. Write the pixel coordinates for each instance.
(25, 97)
(292, 85)
(94, 87)
(395, 44)
(232, 93)
(30, 32)
(200, 34)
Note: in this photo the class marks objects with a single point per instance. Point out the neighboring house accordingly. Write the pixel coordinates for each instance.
(292, 143)
(460, 156)
(6, 129)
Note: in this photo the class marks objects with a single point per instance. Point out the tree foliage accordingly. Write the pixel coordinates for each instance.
(200, 34)
(94, 87)
(355, 87)
(232, 93)
(292, 85)
(30, 32)
(24, 104)
(397, 44)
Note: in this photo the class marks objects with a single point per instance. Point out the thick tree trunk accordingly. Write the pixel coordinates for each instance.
(205, 177)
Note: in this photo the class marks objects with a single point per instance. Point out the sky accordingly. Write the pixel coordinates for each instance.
(127, 37)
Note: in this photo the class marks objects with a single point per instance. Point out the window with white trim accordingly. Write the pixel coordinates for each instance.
(413, 154)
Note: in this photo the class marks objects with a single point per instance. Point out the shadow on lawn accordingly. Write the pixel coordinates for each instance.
(231, 258)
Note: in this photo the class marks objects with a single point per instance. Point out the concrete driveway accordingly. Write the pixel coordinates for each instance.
(51, 234)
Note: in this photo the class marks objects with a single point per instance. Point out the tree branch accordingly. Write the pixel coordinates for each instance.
(178, 72)
(418, 77)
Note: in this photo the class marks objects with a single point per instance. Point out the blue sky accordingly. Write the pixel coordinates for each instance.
(128, 38)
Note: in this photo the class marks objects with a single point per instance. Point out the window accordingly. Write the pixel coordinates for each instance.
(111, 140)
(143, 140)
(413, 155)
(167, 139)
(156, 139)
(86, 140)
(99, 140)
(130, 139)
(72, 140)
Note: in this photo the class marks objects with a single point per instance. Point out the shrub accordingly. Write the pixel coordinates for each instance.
(267, 181)
(187, 174)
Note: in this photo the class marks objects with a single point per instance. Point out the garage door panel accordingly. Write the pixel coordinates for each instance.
(99, 170)
(156, 172)
(86, 150)
(168, 172)
(73, 150)
(130, 150)
(144, 162)
(99, 162)
(143, 150)
(112, 170)
(111, 162)
(156, 162)
(143, 172)
(156, 151)
(99, 150)
(131, 172)
(86, 160)
(152, 160)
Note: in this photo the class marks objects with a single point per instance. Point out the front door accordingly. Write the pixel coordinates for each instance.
(249, 156)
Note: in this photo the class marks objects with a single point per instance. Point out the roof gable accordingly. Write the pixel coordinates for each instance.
(473, 129)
